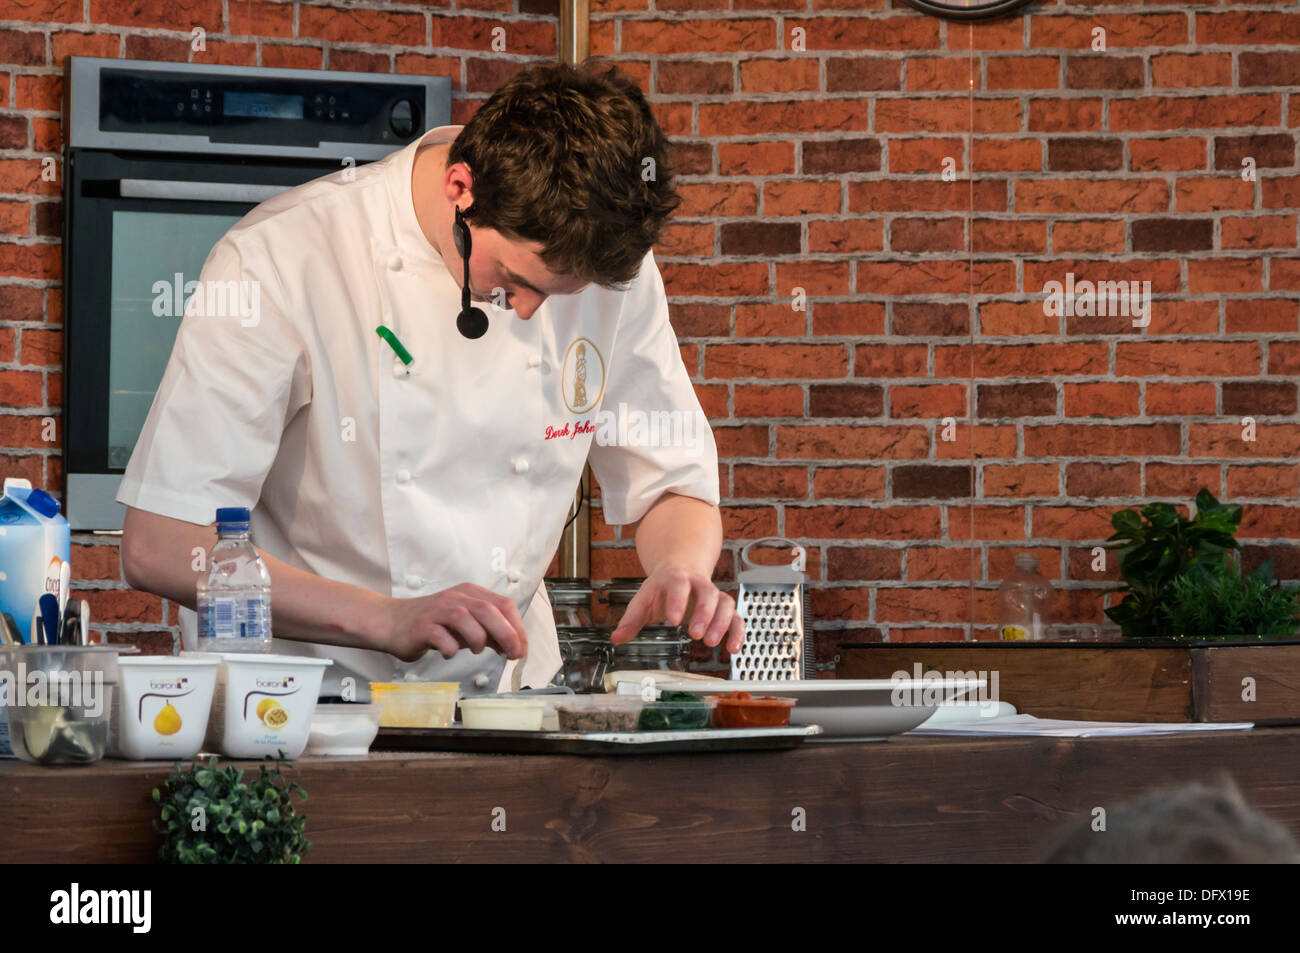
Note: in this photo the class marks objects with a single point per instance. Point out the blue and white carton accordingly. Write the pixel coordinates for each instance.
(35, 542)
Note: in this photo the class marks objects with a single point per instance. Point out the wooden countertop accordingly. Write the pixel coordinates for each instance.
(914, 799)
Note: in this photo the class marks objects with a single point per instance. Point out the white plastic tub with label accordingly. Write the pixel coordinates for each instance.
(163, 706)
(263, 704)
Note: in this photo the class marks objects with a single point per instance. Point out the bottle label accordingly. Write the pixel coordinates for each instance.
(222, 614)
(1014, 633)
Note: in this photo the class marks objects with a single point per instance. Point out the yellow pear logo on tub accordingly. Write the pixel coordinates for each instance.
(168, 721)
(271, 714)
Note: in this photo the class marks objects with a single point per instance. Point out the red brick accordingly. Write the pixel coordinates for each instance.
(1071, 522)
(861, 522)
(1180, 70)
(1260, 231)
(350, 25)
(1016, 318)
(1088, 236)
(176, 15)
(748, 522)
(1187, 358)
(20, 389)
(1087, 440)
(945, 563)
(39, 11)
(840, 603)
(1103, 479)
(1284, 357)
(746, 441)
(983, 442)
(1177, 154)
(1056, 196)
(929, 604)
(846, 236)
(890, 360)
(859, 318)
(863, 563)
(748, 118)
(930, 196)
(933, 401)
(122, 605)
(867, 442)
(750, 481)
(1045, 359)
(761, 401)
(1194, 112)
(724, 280)
(849, 483)
(1259, 398)
(1105, 399)
(1257, 481)
(845, 400)
(261, 19)
(1082, 560)
(751, 158)
(776, 361)
(1180, 480)
(1180, 399)
(990, 522)
(96, 562)
(1278, 441)
(1021, 480)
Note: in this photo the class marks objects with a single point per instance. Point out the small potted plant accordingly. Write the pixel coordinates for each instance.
(1184, 581)
(210, 815)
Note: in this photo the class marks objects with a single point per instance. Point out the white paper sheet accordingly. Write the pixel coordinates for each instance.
(1058, 728)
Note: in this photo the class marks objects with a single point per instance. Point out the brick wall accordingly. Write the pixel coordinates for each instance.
(35, 38)
(823, 169)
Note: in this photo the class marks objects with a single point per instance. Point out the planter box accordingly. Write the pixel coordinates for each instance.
(1109, 681)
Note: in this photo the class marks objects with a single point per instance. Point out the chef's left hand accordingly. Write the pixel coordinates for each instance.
(671, 594)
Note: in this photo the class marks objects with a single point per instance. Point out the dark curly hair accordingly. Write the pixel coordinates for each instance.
(558, 154)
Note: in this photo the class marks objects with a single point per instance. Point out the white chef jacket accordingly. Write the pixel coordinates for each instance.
(407, 479)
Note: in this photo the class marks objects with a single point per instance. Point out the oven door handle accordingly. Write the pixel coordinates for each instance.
(239, 192)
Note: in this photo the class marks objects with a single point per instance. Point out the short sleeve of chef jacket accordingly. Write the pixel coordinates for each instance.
(233, 382)
(647, 376)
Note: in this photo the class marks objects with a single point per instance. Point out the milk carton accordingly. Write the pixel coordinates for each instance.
(35, 542)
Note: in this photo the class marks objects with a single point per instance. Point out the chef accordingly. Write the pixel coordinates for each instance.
(409, 365)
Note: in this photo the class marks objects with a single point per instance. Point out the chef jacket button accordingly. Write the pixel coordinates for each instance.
(400, 370)
(395, 263)
(403, 476)
(414, 582)
(480, 680)
(534, 361)
(513, 577)
(521, 465)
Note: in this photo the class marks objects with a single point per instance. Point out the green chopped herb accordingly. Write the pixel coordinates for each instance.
(675, 711)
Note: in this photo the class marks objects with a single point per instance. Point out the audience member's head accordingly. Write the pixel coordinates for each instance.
(1187, 824)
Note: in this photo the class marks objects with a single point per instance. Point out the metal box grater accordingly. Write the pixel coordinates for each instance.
(773, 601)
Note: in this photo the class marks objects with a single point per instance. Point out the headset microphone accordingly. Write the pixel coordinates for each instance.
(471, 322)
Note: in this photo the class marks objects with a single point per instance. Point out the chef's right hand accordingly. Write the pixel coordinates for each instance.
(464, 616)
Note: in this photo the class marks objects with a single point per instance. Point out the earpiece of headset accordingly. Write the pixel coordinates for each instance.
(471, 322)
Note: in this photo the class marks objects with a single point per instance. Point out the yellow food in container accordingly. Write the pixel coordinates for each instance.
(415, 704)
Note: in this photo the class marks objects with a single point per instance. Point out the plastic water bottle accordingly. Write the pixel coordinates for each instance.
(234, 601)
(1024, 602)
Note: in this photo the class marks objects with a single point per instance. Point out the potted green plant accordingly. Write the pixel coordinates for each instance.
(1183, 577)
(210, 815)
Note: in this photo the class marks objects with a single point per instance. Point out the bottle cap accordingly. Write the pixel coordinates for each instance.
(1027, 561)
(232, 515)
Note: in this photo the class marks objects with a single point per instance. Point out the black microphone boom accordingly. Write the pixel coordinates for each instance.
(471, 322)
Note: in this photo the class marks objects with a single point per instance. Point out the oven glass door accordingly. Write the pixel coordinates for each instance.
(140, 228)
(153, 255)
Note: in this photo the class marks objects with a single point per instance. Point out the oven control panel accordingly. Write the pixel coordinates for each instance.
(151, 106)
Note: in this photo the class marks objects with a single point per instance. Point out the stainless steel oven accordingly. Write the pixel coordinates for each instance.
(162, 159)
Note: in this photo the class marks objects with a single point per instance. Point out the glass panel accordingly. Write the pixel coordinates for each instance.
(154, 254)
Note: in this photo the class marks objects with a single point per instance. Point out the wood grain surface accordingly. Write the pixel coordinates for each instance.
(911, 799)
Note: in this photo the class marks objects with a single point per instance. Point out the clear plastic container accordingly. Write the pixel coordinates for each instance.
(347, 728)
(599, 713)
(502, 713)
(164, 704)
(415, 704)
(742, 710)
(1024, 602)
(61, 698)
(234, 600)
(676, 711)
